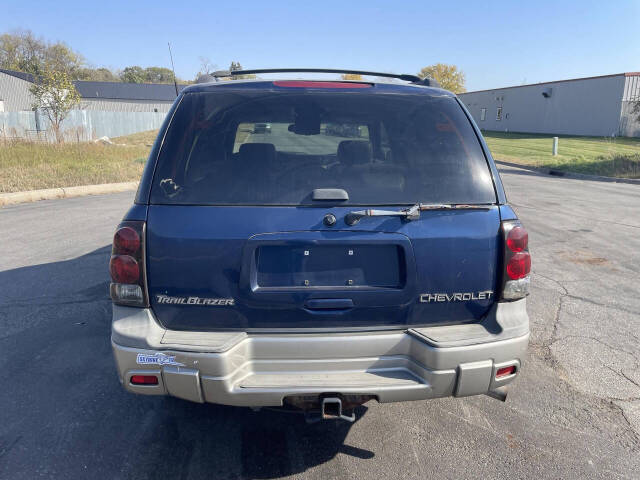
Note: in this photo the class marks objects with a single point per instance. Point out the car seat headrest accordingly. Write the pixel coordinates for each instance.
(354, 152)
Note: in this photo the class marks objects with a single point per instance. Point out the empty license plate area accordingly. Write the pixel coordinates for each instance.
(333, 265)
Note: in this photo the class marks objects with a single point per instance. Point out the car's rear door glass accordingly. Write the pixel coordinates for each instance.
(260, 148)
(326, 142)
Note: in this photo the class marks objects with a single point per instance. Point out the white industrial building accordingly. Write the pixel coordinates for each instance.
(592, 106)
(106, 109)
(103, 96)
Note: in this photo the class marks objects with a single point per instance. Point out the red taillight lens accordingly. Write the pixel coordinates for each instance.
(519, 265)
(124, 269)
(126, 241)
(505, 371)
(144, 380)
(517, 239)
(517, 261)
(127, 266)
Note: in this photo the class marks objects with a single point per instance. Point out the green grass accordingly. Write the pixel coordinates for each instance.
(33, 166)
(612, 157)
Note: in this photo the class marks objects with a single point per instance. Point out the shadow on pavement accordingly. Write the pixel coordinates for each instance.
(223, 442)
(65, 415)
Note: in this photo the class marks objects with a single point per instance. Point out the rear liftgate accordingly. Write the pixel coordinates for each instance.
(329, 279)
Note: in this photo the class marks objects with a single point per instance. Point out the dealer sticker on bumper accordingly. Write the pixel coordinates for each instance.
(157, 359)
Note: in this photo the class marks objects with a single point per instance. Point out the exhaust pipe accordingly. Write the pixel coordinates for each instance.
(499, 393)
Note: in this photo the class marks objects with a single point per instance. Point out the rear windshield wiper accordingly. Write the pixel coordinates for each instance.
(411, 213)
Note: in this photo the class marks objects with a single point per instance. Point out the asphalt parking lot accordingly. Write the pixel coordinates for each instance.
(573, 413)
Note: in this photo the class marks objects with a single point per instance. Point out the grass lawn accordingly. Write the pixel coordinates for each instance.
(612, 157)
(33, 166)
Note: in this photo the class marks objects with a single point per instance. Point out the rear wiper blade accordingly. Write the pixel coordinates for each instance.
(411, 213)
(453, 206)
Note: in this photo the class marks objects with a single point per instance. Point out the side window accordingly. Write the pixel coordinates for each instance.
(242, 135)
(499, 114)
(483, 114)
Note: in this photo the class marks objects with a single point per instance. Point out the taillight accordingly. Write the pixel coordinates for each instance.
(127, 265)
(124, 269)
(517, 261)
(144, 380)
(505, 371)
(126, 240)
(517, 239)
(519, 265)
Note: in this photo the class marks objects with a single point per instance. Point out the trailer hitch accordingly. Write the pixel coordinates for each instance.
(332, 409)
(327, 406)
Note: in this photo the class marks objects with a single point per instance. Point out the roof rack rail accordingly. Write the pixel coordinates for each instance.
(429, 82)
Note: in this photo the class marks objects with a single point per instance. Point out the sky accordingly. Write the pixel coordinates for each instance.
(495, 44)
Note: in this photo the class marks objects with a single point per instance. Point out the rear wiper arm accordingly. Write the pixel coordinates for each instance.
(411, 213)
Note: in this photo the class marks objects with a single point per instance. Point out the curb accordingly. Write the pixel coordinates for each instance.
(575, 176)
(65, 192)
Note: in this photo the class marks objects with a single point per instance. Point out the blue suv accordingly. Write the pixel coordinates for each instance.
(362, 249)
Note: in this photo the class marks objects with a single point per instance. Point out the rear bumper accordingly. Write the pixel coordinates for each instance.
(236, 368)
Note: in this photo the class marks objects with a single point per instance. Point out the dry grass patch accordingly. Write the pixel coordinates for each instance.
(142, 138)
(33, 166)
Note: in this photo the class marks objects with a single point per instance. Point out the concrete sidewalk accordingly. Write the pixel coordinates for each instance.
(65, 192)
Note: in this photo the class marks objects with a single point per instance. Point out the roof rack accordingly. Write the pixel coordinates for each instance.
(429, 82)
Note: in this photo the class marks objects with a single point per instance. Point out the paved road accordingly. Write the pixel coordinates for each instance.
(574, 413)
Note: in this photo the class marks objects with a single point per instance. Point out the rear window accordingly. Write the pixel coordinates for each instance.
(263, 147)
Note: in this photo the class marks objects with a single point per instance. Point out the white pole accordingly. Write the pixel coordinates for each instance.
(555, 146)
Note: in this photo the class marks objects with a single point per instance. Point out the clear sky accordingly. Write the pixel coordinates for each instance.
(495, 43)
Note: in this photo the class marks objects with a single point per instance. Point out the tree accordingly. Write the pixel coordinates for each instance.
(158, 75)
(137, 74)
(448, 76)
(206, 69)
(101, 74)
(55, 95)
(60, 58)
(235, 66)
(23, 51)
(133, 74)
(351, 76)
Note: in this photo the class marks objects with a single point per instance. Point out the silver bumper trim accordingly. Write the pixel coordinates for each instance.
(261, 370)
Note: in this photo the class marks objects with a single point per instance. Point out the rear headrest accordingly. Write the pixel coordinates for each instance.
(207, 154)
(264, 153)
(199, 167)
(354, 152)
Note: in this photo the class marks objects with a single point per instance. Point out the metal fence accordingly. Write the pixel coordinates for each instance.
(79, 126)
